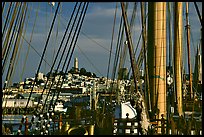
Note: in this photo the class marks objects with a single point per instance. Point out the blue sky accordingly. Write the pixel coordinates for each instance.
(98, 25)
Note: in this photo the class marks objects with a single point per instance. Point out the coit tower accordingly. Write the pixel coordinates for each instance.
(76, 65)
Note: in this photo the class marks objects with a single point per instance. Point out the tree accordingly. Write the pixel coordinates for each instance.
(94, 75)
(61, 73)
(88, 74)
(71, 70)
(82, 71)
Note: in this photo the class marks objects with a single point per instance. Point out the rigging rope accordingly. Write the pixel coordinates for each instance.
(21, 43)
(15, 49)
(7, 17)
(5, 57)
(118, 47)
(89, 60)
(59, 63)
(67, 55)
(144, 36)
(3, 7)
(93, 40)
(124, 52)
(111, 44)
(5, 38)
(25, 111)
(8, 51)
(198, 12)
(31, 36)
(56, 58)
(80, 25)
(20, 50)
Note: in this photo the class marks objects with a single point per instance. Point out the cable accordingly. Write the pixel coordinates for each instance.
(111, 44)
(64, 48)
(11, 39)
(7, 17)
(38, 69)
(72, 51)
(31, 36)
(89, 60)
(13, 56)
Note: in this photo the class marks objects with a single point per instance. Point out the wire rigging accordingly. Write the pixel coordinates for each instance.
(54, 64)
(59, 63)
(25, 111)
(5, 37)
(111, 46)
(89, 60)
(31, 36)
(5, 58)
(7, 17)
(15, 49)
(78, 25)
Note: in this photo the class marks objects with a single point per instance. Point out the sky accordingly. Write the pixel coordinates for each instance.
(94, 40)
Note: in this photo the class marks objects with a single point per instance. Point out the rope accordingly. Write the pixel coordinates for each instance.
(13, 56)
(111, 44)
(21, 47)
(31, 36)
(39, 67)
(198, 12)
(7, 17)
(57, 55)
(21, 43)
(118, 47)
(4, 64)
(64, 46)
(72, 50)
(11, 39)
(3, 7)
(7, 35)
(89, 60)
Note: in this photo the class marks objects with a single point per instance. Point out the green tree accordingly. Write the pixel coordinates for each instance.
(82, 71)
(94, 75)
(71, 70)
(88, 74)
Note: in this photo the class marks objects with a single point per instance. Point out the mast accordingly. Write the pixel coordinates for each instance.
(157, 56)
(170, 35)
(144, 44)
(140, 103)
(178, 54)
(188, 48)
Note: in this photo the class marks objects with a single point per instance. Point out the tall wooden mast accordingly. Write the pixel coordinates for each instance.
(157, 55)
(188, 47)
(178, 55)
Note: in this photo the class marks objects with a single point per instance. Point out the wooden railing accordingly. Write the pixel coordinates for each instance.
(180, 126)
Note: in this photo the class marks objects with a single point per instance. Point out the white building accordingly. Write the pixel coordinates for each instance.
(40, 76)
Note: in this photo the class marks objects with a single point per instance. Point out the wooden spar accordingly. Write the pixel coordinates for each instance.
(140, 101)
(170, 34)
(144, 36)
(162, 70)
(188, 48)
(130, 45)
(178, 54)
(157, 55)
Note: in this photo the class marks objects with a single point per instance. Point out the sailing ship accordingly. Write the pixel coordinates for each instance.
(142, 106)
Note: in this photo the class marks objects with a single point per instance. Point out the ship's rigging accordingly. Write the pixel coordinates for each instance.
(147, 100)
